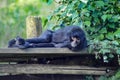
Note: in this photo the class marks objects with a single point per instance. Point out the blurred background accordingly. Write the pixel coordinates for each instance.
(13, 15)
(99, 18)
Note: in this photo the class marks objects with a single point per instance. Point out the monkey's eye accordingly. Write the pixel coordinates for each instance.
(78, 38)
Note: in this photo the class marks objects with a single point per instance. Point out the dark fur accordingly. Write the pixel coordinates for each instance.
(16, 42)
(60, 38)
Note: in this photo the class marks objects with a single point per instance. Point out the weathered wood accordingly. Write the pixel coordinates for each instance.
(33, 26)
(41, 51)
(37, 52)
(53, 69)
(44, 77)
(55, 55)
(15, 54)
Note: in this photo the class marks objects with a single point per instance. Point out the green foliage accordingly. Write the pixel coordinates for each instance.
(13, 17)
(89, 78)
(100, 20)
(114, 77)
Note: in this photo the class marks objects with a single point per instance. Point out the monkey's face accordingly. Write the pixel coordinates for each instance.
(75, 41)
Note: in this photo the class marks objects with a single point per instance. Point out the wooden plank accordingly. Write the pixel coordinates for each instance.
(13, 59)
(11, 53)
(41, 50)
(52, 69)
(33, 57)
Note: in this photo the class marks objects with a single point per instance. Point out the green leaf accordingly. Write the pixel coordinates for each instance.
(45, 22)
(50, 2)
(99, 3)
(49, 17)
(110, 36)
(87, 14)
(117, 33)
(101, 37)
(111, 25)
(104, 17)
(103, 51)
(59, 9)
(94, 14)
(84, 11)
(74, 15)
(103, 30)
(118, 51)
(87, 23)
(97, 20)
(91, 8)
(115, 18)
(81, 5)
(111, 55)
(109, 16)
(103, 78)
(115, 42)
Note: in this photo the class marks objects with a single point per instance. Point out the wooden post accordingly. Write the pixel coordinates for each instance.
(33, 26)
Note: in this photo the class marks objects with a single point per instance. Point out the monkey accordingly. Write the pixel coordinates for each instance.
(71, 37)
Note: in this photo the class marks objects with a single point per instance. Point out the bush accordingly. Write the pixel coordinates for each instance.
(99, 18)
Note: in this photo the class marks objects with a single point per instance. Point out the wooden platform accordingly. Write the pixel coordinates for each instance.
(12, 54)
(16, 55)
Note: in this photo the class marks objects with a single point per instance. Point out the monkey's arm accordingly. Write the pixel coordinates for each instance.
(62, 45)
(69, 46)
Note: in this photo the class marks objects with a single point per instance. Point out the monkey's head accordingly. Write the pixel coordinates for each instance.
(77, 37)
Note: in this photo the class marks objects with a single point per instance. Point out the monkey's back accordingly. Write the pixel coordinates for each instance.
(63, 34)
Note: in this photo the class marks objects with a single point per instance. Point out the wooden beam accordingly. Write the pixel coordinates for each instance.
(52, 69)
(15, 54)
(37, 52)
(33, 26)
(41, 50)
